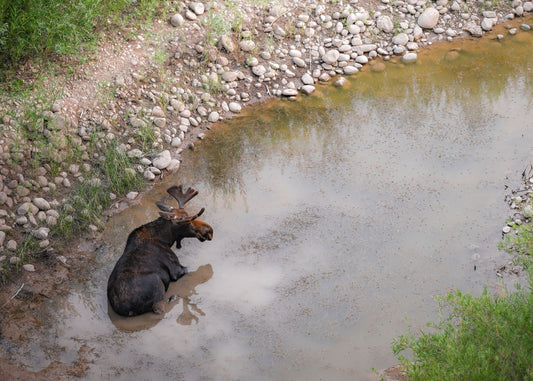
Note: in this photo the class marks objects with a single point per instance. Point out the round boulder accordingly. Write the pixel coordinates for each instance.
(429, 18)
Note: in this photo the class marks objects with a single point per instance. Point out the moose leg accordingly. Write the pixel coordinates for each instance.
(176, 270)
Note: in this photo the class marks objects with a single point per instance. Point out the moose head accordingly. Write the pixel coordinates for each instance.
(188, 226)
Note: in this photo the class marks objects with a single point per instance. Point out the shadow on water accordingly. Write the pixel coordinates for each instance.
(335, 216)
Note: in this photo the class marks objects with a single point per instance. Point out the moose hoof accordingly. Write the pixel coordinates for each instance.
(172, 298)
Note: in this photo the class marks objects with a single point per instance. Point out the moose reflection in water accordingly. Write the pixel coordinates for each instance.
(142, 274)
(179, 292)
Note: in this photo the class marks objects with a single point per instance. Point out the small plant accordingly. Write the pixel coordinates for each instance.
(216, 25)
(83, 208)
(146, 136)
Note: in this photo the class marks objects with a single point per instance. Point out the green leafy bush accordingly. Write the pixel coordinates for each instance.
(481, 338)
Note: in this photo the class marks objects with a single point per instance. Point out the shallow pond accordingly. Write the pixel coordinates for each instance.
(335, 217)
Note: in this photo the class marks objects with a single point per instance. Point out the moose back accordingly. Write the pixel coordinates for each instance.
(141, 276)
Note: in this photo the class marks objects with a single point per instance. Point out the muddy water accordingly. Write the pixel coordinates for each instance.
(335, 217)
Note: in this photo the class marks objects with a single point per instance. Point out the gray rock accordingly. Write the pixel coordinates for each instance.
(230, 76)
(307, 79)
(41, 233)
(308, 89)
(410, 57)
(341, 81)
(214, 116)
(2, 238)
(176, 142)
(474, 29)
(177, 20)
(490, 14)
(331, 56)
(324, 77)
(132, 195)
(51, 221)
(23, 209)
(247, 45)
(365, 48)
(349, 70)
(11, 245)
(252, 61)
(41, 203)
(400, 39)
(235, 107)
(197, 7)
(487, 23)
(137, 123)
(135, 153)
(190, 15)
(160, 122)
(299, 62)
(289, 92)
(174, 165)
(227, 44)
(259, 70)
(29, 268)
(363, 60)
(429, 18)
(385, 24)
(162, 160)
(149, 175)
(158, 112)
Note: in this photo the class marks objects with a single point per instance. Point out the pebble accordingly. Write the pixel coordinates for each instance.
(341, 81)
(41, 203)
(41, 233)
(247, 45)
(174, 165)
(308, 89)
(177, 20)
(29, 268)
(132, 195)
(235, 107)
(410, 57)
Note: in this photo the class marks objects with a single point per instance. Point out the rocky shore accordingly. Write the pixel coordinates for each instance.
(201, 63)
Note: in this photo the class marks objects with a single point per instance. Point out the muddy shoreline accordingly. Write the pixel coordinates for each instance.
(22, 298)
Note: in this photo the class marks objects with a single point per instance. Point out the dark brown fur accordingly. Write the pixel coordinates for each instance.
(141, 276)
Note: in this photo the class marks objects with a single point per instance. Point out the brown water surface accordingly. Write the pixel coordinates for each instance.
(335, 217)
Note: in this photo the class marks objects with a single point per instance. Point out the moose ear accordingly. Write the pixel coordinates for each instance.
(164, 207)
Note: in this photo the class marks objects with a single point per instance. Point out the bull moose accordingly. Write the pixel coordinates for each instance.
(142, 274)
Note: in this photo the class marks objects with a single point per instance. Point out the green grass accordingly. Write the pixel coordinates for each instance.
(41, 28)
(479, 338)
(86, 204)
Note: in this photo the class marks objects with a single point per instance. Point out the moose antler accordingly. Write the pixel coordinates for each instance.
(181, 198)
